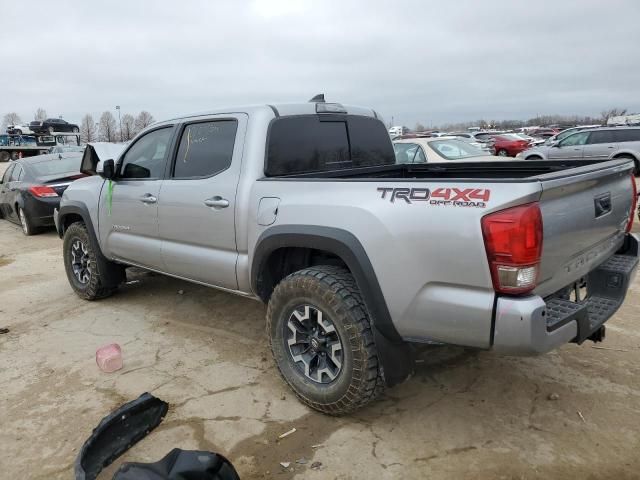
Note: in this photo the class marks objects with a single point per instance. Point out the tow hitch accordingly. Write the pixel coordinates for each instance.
(598, 335)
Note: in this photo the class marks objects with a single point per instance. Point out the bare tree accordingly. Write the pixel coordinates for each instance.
(41, 114)
(612, 112)
(143, 120)
(11, 118)
(88, 131)
(128, 127)
(107, 129)
(419, 127)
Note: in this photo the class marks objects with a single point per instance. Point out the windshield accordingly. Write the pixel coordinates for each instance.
(455, 149)
(57, 166)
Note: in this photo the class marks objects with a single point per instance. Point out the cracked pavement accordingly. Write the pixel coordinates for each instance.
(465, 414)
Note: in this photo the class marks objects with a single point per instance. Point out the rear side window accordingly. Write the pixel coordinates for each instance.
(631, 135)
(601, 136)
(315, 143)
(205, 149)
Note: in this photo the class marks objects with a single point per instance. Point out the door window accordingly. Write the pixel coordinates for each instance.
(575, 139)
(206, 149)
(601, 136)
(146, 158)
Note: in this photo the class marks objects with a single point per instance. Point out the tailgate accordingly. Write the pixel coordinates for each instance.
(584, 214)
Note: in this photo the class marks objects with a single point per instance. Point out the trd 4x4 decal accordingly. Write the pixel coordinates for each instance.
(444, 196)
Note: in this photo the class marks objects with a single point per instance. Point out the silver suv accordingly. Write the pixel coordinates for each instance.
(596, 144)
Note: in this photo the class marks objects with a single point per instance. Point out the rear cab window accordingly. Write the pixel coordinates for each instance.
(321, 143)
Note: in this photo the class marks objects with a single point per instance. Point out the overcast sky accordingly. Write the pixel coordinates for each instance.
(432, 62)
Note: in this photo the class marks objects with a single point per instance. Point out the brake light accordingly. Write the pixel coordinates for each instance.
(634, 199)
(513, 240)
(42, 191)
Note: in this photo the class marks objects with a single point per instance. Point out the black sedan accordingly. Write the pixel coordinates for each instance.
(31, 188)
(51, 125)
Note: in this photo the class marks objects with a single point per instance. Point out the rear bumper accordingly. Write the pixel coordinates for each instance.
(533, 325)
(40, 210)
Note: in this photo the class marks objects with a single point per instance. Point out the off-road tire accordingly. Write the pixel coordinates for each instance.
(93, 289)
(332, 290)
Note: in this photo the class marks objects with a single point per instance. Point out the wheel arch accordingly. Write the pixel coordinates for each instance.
(627, 154)
(290, 247)
(74, 211)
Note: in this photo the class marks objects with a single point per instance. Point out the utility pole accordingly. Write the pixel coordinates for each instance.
(120, 122)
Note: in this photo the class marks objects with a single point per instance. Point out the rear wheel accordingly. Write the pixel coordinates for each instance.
(27, 225)
(502, 153)
(80, 264)
(75, 130)
(322, 342)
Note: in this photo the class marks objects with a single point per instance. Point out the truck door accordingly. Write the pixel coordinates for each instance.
(600, 145)
(570, 148)
(128, 224)
(197, 203)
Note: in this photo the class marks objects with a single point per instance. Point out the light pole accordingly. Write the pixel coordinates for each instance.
(120, 122)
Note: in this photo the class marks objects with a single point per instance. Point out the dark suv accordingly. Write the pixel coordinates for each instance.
(51, 125)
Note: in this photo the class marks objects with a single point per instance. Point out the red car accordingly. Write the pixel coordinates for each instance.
(509, 144)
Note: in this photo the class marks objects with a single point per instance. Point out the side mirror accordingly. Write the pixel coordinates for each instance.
(553, 143)
(108, 169)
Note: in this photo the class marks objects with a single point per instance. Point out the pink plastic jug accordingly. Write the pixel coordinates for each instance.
(109, 357)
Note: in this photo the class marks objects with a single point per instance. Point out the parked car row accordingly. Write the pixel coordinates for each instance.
(601, 143)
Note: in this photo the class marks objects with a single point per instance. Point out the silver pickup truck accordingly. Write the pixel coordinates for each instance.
(360, 259)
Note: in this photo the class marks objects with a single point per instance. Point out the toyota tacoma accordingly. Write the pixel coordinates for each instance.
(359, 259)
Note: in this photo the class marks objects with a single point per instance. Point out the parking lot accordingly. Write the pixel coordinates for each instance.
(573, 413)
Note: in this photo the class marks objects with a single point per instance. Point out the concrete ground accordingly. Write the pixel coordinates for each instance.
(464, 415)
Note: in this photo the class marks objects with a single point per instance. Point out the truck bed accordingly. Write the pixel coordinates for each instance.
(517, 170)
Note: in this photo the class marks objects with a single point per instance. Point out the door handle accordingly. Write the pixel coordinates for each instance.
(148, 198)
(217, 202)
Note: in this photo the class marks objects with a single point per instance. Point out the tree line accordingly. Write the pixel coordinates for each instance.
(106, 129)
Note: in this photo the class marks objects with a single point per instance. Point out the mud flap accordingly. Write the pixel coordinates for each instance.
(117, 432)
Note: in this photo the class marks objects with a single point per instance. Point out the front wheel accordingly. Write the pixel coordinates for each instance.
(322, 342)
(81, 265)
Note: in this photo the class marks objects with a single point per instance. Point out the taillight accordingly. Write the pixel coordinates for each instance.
(513, 240)
(42, 191)
(634, 199)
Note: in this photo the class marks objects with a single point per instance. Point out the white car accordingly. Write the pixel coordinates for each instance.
(19, 130)
(440, 150)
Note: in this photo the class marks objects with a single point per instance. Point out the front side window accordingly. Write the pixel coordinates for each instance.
(146, 157)
(205, 149)
(575, 139)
